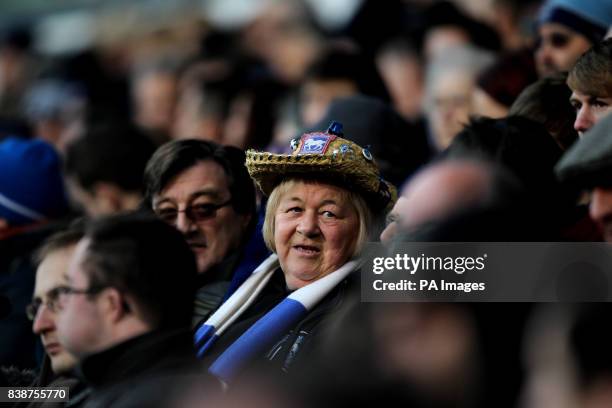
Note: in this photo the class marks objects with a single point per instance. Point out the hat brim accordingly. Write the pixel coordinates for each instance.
(269, 170)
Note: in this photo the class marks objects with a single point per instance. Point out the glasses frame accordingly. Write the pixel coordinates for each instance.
(191, 211)
(53, 298)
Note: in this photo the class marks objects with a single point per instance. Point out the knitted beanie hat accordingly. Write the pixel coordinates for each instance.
(591, 18)
(31, 184)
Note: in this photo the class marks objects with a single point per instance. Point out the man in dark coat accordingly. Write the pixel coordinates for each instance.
(126, 310)
(588, 165)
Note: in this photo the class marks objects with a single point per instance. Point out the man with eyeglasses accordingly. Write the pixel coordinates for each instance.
(53, 258)
(568, 28)
(204, 191)
(125, 311)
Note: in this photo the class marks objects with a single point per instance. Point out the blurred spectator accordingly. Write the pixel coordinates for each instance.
(126, 310)
(202, 109)
(204, 191)
(446, 188)
(448, 28)
(338, 72)
(513, 20)
(18, 67)
(550, 371)
(500, 84)
(400, 147)
(104, 168)
(524, 148)
(587, 165)
(286, 37)
(591, 83)
(37, 194)
(566, 29)
(401, 68)
(52, 106)
(449, 83)
(547, 102)
(154, 90)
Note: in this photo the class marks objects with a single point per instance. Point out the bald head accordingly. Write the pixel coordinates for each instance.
(439, 191)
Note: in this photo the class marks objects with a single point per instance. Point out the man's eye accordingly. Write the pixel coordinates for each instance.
(576, 105)
(166, 214)
(203, 210)
(600, 104)
(329, 214)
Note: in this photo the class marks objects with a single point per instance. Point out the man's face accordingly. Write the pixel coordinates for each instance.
(201, 189)
(50, 275)
(451, 106)
(559, 48)
(601, 210)
(394, 220)
(589, 110)
(81, 324)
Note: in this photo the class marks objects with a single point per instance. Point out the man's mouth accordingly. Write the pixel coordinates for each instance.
(196, 245)
(53, 348)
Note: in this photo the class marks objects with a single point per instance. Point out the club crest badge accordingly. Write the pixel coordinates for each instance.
(315, 143)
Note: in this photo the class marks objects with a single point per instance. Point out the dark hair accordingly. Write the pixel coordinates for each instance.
(592, 74)
(547, 102)
(339, 62)
(523, 147)
(115, 153)
(173, 158)
(507, 77)
(147, 258)
(60, 240)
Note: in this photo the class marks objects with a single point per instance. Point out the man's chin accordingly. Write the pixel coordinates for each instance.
(63, 363)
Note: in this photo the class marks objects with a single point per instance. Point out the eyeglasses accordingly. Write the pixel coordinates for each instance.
(196, 213)
(556, 40)
(54, 296)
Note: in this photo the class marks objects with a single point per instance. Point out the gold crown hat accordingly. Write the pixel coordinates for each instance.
(325, 156)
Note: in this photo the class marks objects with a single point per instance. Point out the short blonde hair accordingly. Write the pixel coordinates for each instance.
(357, 202)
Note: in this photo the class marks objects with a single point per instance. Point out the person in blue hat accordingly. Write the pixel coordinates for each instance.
(31, 184)
(568, 28)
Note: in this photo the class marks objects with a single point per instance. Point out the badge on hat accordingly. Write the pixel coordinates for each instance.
(315, 143)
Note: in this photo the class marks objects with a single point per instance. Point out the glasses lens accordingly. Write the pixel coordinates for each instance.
(559, 40)
(202, 212)
(32, 309)
(167, 215)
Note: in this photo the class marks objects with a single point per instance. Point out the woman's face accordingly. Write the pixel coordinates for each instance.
(316, 230)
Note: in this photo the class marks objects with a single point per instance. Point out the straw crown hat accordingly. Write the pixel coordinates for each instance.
(324, 156)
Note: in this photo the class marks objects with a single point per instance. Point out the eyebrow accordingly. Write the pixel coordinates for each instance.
(322, 203)
(210, 192)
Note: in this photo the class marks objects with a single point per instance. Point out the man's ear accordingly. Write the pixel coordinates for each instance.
(115, 304)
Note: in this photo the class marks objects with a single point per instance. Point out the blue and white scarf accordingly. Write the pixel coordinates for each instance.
(268, 329)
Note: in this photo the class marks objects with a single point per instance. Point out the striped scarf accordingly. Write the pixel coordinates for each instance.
(269, 328)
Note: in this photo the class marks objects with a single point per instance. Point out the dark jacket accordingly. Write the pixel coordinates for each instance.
(139, 372)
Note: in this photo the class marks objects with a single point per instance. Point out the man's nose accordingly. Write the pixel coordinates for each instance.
(584, 119)
(43, 321)
(183, 223)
